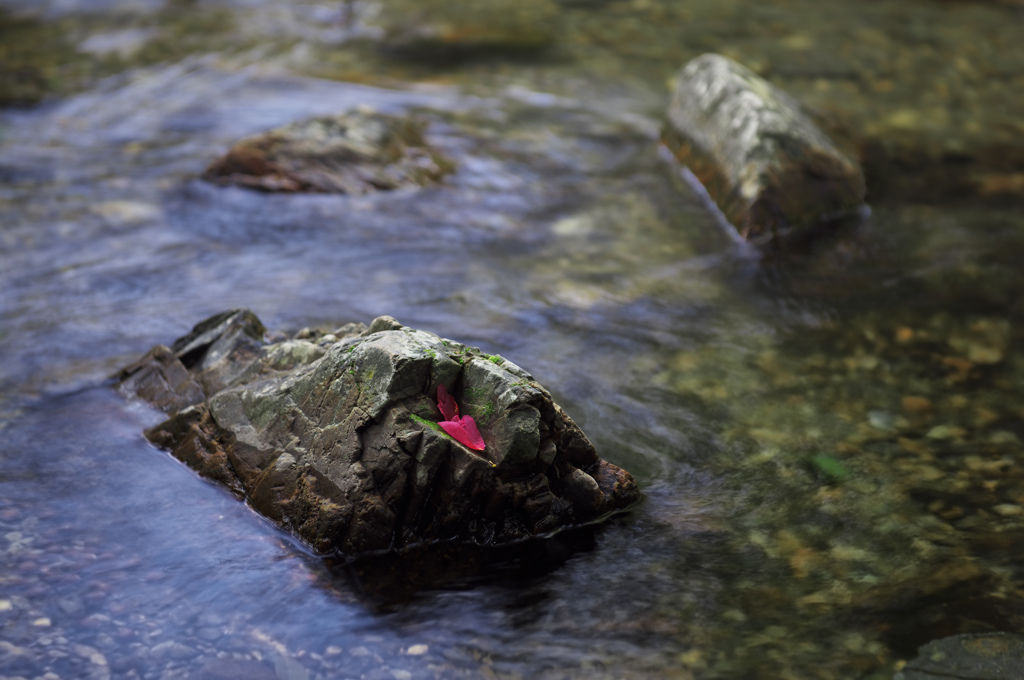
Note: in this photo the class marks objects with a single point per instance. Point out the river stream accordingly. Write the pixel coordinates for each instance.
(828, 438)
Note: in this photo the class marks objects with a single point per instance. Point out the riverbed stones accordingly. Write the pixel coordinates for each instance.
(338, 441)
(766, 165)
(357, 152)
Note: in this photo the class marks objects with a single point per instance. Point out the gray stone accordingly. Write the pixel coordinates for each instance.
(160, 379)
(988, 656)
(221, 348)
(215, 353)
(762, 160)
(341, 444)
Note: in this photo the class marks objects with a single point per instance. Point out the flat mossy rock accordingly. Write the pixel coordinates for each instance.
(766, 165)
(337, 439)
(353, 153)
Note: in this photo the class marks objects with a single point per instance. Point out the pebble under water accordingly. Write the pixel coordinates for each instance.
(828, 438)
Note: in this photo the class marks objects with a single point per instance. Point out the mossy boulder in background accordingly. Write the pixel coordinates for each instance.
(762, 160)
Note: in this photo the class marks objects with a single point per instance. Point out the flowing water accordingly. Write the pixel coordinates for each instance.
(828, 439)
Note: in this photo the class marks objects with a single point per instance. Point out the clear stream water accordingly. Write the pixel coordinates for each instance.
(829, 440)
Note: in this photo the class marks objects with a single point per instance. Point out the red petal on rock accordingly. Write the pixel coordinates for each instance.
(446, 402)
(455, 429)
(475, 440)
(464, 431)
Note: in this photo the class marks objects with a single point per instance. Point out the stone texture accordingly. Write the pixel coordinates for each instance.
(202, 362)
(765, 164)
(354, 153)
(338, 440)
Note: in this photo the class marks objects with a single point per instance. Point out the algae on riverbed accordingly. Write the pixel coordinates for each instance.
(59, 57)
(31, 56)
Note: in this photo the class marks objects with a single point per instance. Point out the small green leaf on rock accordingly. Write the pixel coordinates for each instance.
(830, 467)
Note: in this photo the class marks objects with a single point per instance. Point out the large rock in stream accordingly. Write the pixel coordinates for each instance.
(762, 160)
(338, 439)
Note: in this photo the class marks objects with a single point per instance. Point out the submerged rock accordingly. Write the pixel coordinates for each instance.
(441, 27)
(765, 164)
(355, 153)
(988, 656)
(338, 441)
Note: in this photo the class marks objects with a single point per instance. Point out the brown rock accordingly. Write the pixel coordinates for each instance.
(353, 153)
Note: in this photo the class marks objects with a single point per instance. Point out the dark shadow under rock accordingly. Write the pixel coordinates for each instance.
(353, 153)
(339, 442)
(396, 578)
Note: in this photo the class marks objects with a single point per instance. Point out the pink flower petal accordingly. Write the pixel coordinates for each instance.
(464, 431)
(475, 440)
(453, 428)
(446, 402)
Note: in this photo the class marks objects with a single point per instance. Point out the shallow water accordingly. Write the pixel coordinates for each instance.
(828, 439)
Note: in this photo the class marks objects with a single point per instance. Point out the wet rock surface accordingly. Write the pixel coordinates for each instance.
(338, 440)
(353, 153)
(766, 165)
(992, 656)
